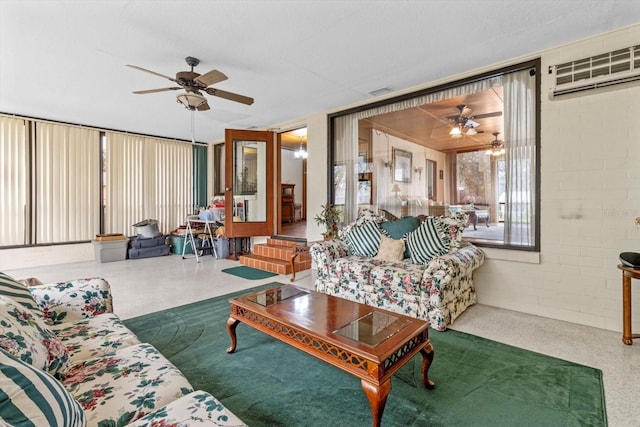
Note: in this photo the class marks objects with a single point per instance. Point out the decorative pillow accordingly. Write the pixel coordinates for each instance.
(399, 229)
(364, 240)
(364, 215)
(18, 292)
(427, 242)
(26, 336)
(452, 227)
(30, 396)
(390, 249)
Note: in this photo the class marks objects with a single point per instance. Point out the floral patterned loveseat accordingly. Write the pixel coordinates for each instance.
(436, 287)
(67, 360)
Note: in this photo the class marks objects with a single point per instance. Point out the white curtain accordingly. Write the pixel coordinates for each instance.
(520, 158)
(345, 178)
(13, 181)
(146, 178)
(346, 136)
(67, 183)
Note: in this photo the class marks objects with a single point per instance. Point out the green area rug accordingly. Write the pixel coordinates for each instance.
(268, 383)
(249, 272)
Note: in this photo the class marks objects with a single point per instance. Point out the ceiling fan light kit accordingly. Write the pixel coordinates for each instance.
(465, 124)
(191, 100)
(497, 146)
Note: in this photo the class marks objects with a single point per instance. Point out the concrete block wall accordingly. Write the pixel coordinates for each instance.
(590, 197)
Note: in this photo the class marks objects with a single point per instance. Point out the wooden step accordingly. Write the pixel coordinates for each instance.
(275, 257)
(273, 265)
(286, 242)
(276, 251)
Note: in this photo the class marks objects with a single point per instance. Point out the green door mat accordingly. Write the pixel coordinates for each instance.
(268, 383)
(249, 272)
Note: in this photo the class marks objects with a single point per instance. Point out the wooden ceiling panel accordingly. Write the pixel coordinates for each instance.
(429, 125)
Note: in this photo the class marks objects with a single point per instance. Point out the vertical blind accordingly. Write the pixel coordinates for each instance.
(54, 184)
(13, 181)
(146, 178)
(67, 183)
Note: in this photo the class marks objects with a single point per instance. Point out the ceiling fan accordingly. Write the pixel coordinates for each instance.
(464, 122)
(193, 83)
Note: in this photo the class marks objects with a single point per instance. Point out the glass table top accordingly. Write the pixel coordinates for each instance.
(373, 328)
(276, 295)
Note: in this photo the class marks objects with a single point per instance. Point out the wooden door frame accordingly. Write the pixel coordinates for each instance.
(248, 229)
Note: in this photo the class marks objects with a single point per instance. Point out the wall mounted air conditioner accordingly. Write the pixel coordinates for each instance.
(607, 69)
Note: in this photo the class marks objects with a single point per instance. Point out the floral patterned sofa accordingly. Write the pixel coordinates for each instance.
(67, 360)
(436, 287)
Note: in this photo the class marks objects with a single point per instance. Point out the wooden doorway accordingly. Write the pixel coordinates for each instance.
(292, 175)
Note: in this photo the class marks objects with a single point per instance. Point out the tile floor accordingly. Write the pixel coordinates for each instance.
(145, 285)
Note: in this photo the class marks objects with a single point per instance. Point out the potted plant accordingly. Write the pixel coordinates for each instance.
(329, 217)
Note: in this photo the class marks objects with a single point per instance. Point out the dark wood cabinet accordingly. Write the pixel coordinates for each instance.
(287, 206)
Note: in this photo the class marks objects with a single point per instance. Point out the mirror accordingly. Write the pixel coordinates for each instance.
(249, 183)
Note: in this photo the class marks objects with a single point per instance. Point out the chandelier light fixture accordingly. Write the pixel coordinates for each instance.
(497, 146)
(301, 153)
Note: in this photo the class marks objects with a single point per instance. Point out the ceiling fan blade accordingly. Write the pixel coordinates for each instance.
(229, 95)
(141, 92)
(151, 72)
(487, 115)
(213, 76)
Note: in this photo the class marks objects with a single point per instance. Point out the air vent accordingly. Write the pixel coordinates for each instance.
(380, 91)
(607, 69)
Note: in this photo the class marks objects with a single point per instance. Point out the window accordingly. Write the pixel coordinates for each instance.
(14, 206)
(64, 183)
(449, 129)
(431, 179)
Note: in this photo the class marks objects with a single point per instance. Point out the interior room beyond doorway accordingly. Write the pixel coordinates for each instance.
(293, 183)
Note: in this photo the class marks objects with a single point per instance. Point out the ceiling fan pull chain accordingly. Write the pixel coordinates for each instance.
(193, 127)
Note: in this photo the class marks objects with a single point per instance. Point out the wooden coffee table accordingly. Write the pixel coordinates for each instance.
(367, 342)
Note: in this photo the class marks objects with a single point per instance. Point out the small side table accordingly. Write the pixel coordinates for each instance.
(628, 273)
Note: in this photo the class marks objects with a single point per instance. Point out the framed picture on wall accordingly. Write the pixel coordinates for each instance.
(402, 165)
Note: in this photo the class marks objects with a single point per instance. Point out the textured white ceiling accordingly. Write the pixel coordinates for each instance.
(66, 60)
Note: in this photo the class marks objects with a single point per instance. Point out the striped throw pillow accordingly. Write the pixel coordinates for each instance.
(9, 287)
(29, 396)
(427, 242)
(364, 239)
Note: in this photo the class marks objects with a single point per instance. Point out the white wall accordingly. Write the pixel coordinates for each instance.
(590, 195)
(317, 167)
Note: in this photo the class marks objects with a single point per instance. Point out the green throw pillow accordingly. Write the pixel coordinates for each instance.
(364, 240)
(10, 287)
(399, 229)
(30, 396)
(427, 242)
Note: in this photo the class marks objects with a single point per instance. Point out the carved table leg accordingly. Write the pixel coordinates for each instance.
(627, 336)
(377, 396)
(232, 324)
(293, 266)
(427, 358)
